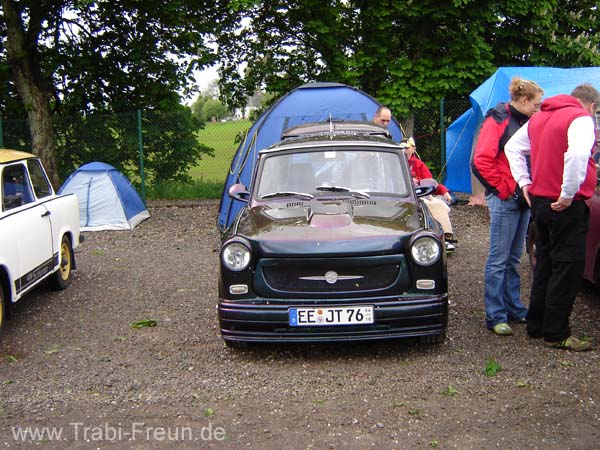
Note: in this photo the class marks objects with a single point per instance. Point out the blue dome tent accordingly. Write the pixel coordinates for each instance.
(107, 200)
(461, 134)
(312, 102)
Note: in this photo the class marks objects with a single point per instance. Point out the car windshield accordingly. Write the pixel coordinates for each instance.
(339, 172)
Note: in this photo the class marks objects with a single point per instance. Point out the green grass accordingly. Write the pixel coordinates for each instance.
(209, 175)
(221, 137)
(178, 191)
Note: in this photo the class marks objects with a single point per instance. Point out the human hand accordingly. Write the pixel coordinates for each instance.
(525, 190)
(561, 204)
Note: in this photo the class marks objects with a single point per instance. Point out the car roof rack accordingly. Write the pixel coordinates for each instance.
(336, 127)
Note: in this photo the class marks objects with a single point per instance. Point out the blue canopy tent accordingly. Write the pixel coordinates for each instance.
(312, 102)
(461, 133)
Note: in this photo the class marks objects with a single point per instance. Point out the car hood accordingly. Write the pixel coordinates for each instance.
(348, 226)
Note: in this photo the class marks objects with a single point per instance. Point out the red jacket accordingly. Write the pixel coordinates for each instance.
(548, 137)
(419, 171)
(489, 164)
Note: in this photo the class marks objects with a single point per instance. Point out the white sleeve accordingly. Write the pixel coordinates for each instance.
(516, 150)
(581, 136)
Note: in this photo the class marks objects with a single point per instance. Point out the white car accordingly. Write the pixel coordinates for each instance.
(39, 230)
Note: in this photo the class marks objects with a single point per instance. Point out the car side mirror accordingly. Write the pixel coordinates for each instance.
(238, 192)
(422, 191)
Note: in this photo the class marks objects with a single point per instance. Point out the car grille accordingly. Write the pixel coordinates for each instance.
(357, 276)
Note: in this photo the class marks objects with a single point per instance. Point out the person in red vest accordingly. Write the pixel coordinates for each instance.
(559, 139)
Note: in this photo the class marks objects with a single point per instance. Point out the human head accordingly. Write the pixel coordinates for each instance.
(383, 116)
(525, 95)
(409, 146)
(588, 96)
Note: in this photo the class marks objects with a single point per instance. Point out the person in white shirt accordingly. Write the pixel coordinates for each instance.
(559, 140)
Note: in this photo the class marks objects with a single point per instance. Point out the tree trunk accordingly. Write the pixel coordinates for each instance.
(22, 57)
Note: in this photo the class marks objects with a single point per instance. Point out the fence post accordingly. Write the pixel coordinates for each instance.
(442, 140)
(1, 134)
(141, 151)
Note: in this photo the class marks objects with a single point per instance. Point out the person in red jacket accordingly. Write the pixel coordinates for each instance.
(560, 140)
(509, 213)
(420, 171)
(439, 208)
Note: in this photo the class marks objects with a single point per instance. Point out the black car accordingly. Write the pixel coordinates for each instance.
(333, 244)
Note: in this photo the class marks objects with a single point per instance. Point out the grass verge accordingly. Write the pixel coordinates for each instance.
(180, 191)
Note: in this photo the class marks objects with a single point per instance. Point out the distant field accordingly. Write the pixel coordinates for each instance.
(221, 137)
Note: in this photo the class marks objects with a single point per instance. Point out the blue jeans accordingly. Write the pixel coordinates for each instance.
(508, 227)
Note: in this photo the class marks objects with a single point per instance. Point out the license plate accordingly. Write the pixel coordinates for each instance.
(343, 315)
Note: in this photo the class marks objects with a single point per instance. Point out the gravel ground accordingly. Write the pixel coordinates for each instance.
(72, 364)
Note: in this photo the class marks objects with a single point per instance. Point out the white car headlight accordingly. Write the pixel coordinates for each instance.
(236, 256)
(425, 250)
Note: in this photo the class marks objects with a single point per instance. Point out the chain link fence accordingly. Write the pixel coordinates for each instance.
(142, 144)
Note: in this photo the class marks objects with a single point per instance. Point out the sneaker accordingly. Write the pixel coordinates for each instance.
(450, 247)
(502, 329)
(570, 343)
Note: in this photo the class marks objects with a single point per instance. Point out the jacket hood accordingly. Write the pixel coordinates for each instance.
(560, 101)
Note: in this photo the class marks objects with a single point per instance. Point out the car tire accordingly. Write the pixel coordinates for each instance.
(3, 310)
(433, 339)
(62, 277)
(236, 345)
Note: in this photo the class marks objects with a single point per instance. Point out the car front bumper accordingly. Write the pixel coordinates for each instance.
(268, 321)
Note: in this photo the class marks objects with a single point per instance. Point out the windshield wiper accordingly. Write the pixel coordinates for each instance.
(358, 194)
(288, 194)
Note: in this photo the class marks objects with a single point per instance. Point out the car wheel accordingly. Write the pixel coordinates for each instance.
(236, 345)
(62, 277)
(433, 339)
(3, 309)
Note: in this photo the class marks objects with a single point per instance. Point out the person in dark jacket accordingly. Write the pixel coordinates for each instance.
(509, 213)
(560, 140)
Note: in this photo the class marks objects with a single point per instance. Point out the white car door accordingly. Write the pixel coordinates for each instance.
(28, 228)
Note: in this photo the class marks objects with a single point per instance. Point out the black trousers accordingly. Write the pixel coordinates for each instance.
(560, 257)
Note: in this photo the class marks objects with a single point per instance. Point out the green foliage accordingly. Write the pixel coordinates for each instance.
(144, 323)
(90, 57)
(450, 391)
(213, 109)
(492, 367)
(169, 143)
(207, 108)
(405, 54)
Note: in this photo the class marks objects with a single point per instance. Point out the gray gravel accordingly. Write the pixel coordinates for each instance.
(72, 362)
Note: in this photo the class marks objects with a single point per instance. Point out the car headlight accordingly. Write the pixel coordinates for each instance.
(236, 256)
(425, 250)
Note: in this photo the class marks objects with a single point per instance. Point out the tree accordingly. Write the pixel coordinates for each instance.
(406, 54)
(213, 109)
(81, 56)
